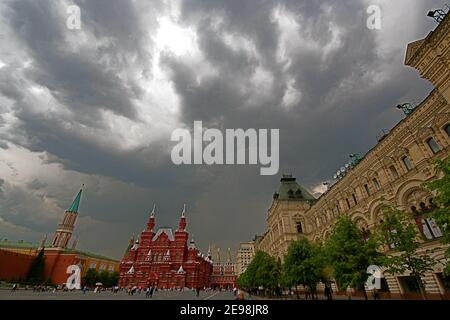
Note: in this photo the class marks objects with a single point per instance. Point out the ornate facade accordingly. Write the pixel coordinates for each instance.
(285, 218)
(224, 274)
(394, 170)
(165, 259)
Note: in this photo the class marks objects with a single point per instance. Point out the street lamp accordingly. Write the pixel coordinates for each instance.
(407, 108)
(438, 14)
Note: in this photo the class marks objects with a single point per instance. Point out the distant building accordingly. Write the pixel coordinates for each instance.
(285, 217)
(224, 274)
(165, 259)
(245, 255)
(16, 257)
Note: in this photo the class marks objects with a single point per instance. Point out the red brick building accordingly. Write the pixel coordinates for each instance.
(14, 265)
(165, 259)
(17, 257)
(223, 275)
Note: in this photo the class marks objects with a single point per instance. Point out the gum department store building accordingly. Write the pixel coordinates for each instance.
(394, 169)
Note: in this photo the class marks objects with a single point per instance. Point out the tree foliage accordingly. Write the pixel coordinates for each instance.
(441, 187)
(264, 271)
(349, 254)
(397, 232)
(302, 265)
(108, 279)
(91, 277)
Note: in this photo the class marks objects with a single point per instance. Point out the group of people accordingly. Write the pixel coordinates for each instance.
(148, 291)
(39, 288)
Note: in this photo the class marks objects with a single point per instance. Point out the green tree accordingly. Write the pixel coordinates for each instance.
(113, 278)
(302, 265)
(91, 277)
(36, 272)
(264, 271)
(349, 254)
(441, 214)
(104, 278)
(243, 280)
(397, 232)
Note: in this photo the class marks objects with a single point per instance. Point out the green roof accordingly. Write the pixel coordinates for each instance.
(28, 245)
(75, 203)
(92, 255)
(18, 244)
(290, 189)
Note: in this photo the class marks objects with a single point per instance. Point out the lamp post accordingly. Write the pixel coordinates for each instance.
(407, 108)
(438, 14)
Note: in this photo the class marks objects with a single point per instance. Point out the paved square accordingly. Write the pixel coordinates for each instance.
(90, 295)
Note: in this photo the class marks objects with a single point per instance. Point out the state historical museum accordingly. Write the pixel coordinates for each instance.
(164, 259)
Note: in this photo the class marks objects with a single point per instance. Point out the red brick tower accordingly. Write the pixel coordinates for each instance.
(65, 228)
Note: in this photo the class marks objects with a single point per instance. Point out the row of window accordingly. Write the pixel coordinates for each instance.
(432, 144)
(408, 165)
(102, 266)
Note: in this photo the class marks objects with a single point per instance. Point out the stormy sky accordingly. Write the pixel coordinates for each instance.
(97, 106)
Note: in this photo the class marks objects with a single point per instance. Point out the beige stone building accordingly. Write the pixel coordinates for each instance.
(285, 218)
(394, 170)
(244, 256)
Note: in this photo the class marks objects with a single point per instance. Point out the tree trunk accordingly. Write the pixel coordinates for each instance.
(421, 288)
(365, 293)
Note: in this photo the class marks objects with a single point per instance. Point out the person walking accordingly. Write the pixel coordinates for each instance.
(349, 293)
(198, 292)
(307, 293)
(147, 292)
(328, 292)
(151, 291)
(376, 294)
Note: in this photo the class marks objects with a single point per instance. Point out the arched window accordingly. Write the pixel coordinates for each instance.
(447, 129)
(376, 184)
(433, 145)
(394, 172)
(431, 203)
(407, 162)
(422, 206)
(428, 227)
(354, 199)
(367, 189)
(299, 227)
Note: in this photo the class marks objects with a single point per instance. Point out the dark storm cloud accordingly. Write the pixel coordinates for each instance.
(80, 79)
(341, 107)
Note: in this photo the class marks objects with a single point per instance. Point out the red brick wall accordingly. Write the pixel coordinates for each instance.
(56, 266)
(14, 266)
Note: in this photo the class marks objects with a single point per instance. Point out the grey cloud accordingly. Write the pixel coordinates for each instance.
(79, 78)
(36, 184)
(225, 204)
